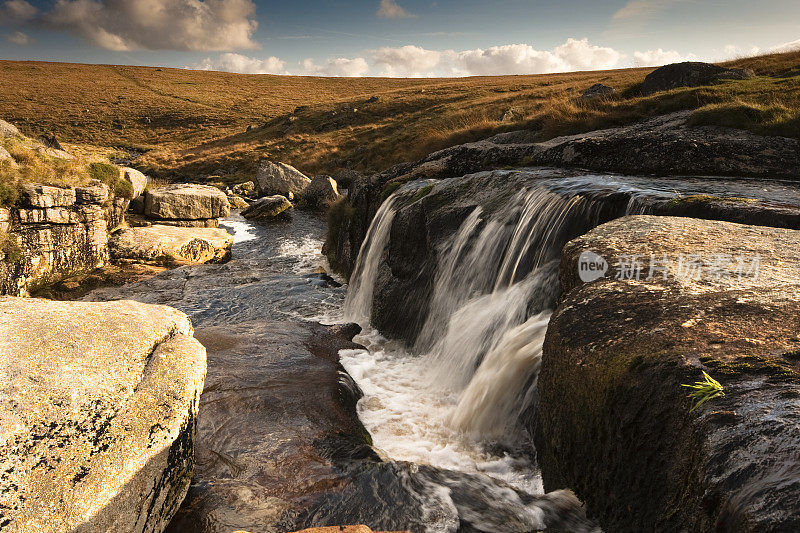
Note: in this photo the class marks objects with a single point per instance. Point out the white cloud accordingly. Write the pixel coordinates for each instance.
(389, 9)
(580, 55)
(230, 62)
(407, 61)
(17, 11)
(337, 66)
(19, 38)
(158, 24)
(786, 47)
(574, 54)
(658, 57)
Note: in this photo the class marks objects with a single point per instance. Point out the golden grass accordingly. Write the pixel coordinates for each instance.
(191, 124)
(33, 163)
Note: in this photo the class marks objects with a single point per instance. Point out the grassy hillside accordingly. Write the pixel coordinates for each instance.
(192, 124)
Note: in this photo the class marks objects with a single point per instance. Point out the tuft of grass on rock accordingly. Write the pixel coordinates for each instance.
(703, 391)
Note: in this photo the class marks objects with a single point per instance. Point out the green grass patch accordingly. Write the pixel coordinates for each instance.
(389, 189)
(703, 391)
(423, 192)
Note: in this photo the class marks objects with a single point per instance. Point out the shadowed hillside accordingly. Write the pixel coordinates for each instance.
(193, 124)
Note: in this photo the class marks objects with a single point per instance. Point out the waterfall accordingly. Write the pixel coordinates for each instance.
(485, 408)
(358, 303)
(495, 285)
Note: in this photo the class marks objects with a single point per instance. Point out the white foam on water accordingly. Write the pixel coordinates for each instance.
(410, 419)
(306, 251)
(241, 230)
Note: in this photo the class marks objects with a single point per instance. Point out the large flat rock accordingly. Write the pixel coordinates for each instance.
(98, 403)
(614, 422)
(161, 242)
(186, 201)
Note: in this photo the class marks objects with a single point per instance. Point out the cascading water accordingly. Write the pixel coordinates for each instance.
(473, 368)
(358, 303)
(453, 403)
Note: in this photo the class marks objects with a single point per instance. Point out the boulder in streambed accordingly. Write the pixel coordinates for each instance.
(280, 179)
(98, 403)
(320, 193)
(248, 188)
(159, 243)
(186, 202)
(237, 202)
(690, 74)
(614, 423)
(268, 208)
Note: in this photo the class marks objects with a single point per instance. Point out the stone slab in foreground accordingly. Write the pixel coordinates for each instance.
(159, 242)
(98, 403)
(614, 422)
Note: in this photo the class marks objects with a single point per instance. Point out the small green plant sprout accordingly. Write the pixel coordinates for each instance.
(704, 390)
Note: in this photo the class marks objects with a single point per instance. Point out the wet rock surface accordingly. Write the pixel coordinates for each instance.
(613, 421)
(159, 243)
(430, 213)
(268, 208)
(98, 402)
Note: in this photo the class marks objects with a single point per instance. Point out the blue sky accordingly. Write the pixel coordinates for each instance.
(394, 37)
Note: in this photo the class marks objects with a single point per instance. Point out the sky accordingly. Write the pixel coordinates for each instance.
(406, 38)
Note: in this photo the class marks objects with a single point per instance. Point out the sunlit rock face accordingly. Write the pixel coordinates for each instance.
(99, 403)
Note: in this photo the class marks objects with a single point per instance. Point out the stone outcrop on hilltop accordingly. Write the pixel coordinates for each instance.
(159, 243)
(99, 405)
(613, 421)
(690, 74)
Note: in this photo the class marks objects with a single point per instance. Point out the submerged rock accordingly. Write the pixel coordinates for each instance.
(159, 243)
(186, 202)
(690, 74)
(615, 424)
(267, 208)
(98, 402)
(280, 179)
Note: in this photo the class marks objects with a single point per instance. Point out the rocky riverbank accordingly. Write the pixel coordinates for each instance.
(461, 268)
(99, 405)
(614, 422)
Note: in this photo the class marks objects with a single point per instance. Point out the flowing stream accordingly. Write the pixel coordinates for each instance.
(450, 405)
